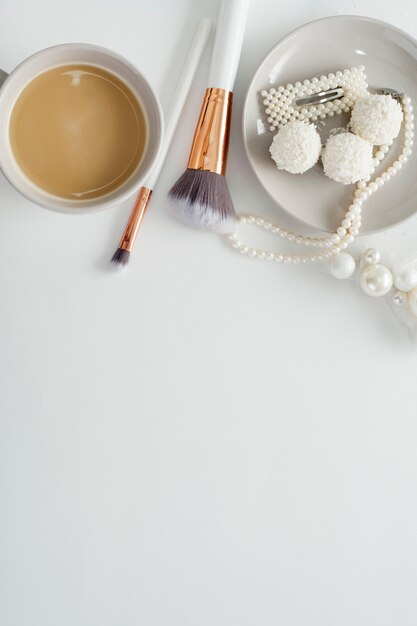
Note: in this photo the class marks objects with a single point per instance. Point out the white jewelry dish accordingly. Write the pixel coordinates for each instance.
(390, 58)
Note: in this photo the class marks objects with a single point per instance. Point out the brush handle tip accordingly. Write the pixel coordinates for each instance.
(182, 90)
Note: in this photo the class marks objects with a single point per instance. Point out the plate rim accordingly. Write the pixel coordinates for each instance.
(326, 18)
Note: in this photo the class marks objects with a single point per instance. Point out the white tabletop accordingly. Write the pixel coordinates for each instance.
(207, 440)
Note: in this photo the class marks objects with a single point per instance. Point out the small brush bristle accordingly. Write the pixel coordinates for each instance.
(120, 259)
(202, 199)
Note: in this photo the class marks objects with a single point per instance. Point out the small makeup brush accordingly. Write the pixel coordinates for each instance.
(201, 196)
(121, 257)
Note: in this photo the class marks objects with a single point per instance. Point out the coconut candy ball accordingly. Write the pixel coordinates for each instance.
(347, 158)
(296, 147)
(377, 119)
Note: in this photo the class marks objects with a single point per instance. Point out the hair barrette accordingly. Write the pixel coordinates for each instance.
(314, 99)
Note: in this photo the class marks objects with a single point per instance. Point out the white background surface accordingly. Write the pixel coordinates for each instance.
(206, 440)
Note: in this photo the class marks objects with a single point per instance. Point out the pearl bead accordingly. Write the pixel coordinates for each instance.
(371, 256)
(398, 298)
(406, 279)
(342, 265)
(376, 280)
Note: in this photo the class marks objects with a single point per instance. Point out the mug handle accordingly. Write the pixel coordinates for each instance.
(3, 76)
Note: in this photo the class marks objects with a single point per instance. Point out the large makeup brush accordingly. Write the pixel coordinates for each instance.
(121, 257)
(201, 197)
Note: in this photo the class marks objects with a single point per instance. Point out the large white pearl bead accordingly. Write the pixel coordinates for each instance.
(412, 301)
(375, 280)
(341, 265)
(406, 279)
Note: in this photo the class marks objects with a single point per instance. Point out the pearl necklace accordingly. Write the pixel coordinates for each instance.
(352, 220)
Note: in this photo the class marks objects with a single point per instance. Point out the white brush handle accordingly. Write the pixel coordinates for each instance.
(181, 93)
(228, 43)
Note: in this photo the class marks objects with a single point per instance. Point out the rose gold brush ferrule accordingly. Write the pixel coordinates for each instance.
(211, 137)
(135, 219)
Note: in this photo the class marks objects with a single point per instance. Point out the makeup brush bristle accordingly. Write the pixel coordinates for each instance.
(120, 259)
(202, 199)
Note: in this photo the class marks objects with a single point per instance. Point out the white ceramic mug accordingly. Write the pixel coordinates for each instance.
(76, 54)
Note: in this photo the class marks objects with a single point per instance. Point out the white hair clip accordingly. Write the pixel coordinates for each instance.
(305, 101)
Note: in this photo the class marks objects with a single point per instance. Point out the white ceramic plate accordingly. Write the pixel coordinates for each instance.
(327, 45)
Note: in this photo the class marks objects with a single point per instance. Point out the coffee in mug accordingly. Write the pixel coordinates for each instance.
(77, 131)
(80, 128)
